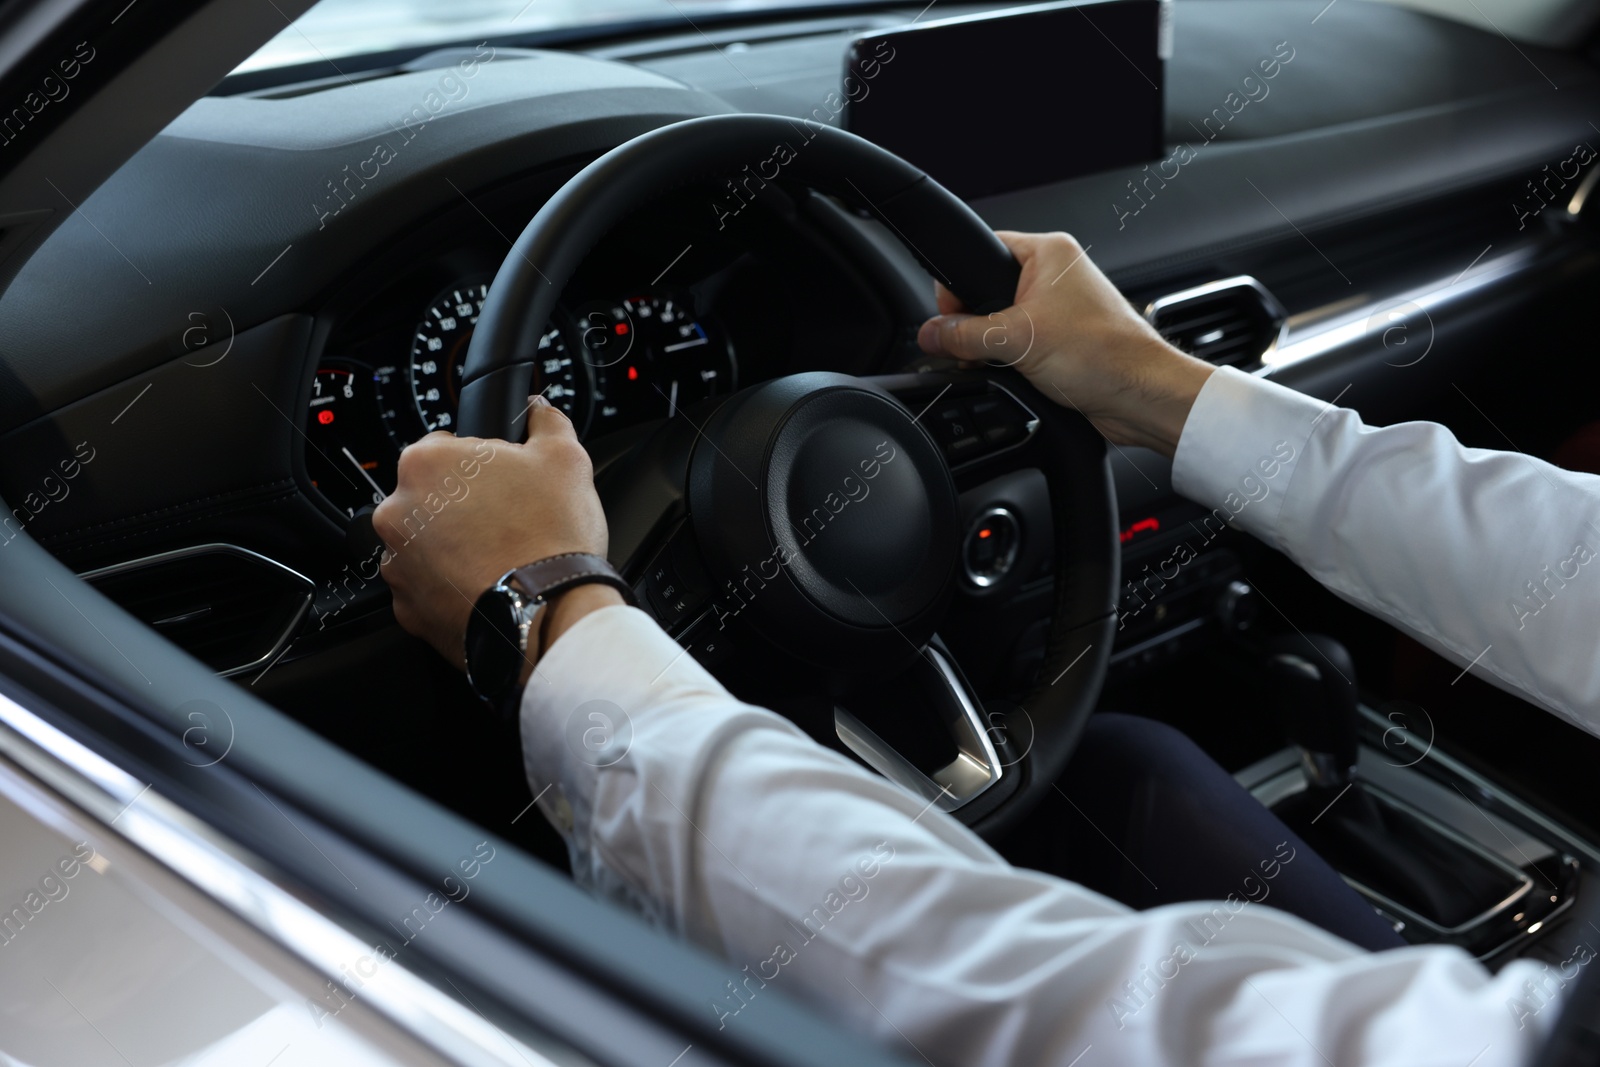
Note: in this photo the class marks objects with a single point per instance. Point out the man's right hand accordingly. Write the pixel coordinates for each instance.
(468, 510)
(1080, 342)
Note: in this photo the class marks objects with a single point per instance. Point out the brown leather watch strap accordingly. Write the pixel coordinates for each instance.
(546, 578)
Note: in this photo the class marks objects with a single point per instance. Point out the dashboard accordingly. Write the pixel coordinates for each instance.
(344, 334)
(608, 364)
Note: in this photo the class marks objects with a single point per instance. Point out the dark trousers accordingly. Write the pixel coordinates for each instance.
(1144, 816)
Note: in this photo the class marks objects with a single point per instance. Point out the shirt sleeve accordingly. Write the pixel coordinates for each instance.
(1488, 558)
(809, 874)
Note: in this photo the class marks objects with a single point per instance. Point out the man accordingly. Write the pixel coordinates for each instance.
(725, 823)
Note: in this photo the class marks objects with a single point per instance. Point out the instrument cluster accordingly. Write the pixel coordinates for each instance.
(607, 364)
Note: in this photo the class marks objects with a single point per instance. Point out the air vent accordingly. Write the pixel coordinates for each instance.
(1233, 322)
(230, 608)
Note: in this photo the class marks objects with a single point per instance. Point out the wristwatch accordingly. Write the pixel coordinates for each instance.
(505, 615)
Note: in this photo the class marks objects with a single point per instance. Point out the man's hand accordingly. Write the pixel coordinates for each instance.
(1080, 343)
(467, 510)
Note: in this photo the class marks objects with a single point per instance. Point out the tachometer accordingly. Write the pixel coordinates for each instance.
(561, 380)
(439, 353)
(652, 356)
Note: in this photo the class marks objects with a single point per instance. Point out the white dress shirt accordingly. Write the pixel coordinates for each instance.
(723, 822)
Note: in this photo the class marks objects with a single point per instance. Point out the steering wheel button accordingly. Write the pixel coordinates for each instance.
(988, 412)
(661, 588)
(1000, 422)
(964, 448)
(991, 547)
(953, 424)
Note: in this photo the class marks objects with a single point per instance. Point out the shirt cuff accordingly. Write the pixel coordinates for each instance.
(1239, 449)
(574, 720)
(603, 685)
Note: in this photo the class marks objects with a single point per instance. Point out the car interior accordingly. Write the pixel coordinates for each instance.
(214, 356)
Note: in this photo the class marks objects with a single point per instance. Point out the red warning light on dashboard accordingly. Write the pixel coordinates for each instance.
(633, 374)
(324, 416)
(621, 329)
(1150, 525)
(985, 532)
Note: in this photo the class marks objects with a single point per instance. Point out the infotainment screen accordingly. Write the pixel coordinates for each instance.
(1015, 98)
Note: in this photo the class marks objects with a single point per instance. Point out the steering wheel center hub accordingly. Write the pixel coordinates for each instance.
(829, 515)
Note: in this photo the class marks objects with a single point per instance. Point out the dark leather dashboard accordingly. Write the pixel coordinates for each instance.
(225, 215)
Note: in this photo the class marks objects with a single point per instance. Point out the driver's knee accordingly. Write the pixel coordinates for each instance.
(1132, 746)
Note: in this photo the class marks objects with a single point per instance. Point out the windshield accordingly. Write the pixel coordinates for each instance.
(334, 28)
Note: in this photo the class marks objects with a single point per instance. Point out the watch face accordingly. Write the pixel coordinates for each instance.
(494, 643)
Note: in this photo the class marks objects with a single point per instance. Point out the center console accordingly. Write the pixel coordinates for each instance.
(1441, 852)
(1182, 586)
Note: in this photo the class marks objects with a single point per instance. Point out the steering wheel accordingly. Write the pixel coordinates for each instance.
(815, 519)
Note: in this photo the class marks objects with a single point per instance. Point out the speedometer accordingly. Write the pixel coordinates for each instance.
(439, 353)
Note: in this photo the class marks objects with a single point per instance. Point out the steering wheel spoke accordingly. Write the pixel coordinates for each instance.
(950, 751)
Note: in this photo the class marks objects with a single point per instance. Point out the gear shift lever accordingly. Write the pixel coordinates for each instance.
(1314, 688)
(1365, 836)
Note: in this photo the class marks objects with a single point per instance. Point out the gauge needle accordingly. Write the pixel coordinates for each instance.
(356, 463)
(681, 345)
(672, 401)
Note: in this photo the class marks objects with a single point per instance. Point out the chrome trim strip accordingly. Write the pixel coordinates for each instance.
(225, 549)
(1346, 323)
(975, 769)
(1405, 914)
(1278, 775)
(285, 639)
(1521, 880)
(985, 761)
(209, 548)
(1581, 195)
(238, 882)
(1239, 281)
(1520, 810)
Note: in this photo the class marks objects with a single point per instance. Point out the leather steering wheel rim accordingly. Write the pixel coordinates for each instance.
(954, 245)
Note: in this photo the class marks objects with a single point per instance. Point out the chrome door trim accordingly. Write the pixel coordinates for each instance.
(243, 885)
